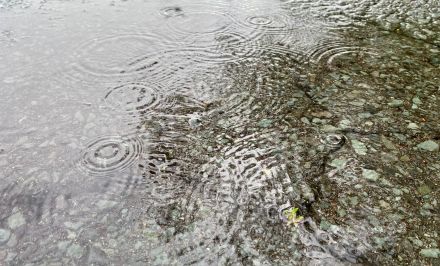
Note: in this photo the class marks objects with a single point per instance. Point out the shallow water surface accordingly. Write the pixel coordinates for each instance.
(183, 132)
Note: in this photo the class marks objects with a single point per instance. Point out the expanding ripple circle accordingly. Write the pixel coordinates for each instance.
(171, 11)
(110, 154)
(200, 22)
(334, 141)
(110, 57)
(133, 97)
(259, 20)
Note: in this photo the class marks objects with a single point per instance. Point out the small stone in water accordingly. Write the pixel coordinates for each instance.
(322, 114)
(413, 126)
(75, 251)
(324, 225)
(424, 190)
(105, 204)
(405, 158)
(338, 163)
(97, 256)
(359, 147)
(395, 103)
(428, 145)
(305, 120)
(62, 246)
(60, 202)
(194, 122)
(265, 123)
(354, 200)
(4, 236)
(416, 241)
(358, 103)
(370, 175)
(397, 192)
(329, 128)
(16, 220)
(430, 253)
(435, 61)
(379, 241)
(416, 100)
(342, 213)
(387, 143)
(384, 204)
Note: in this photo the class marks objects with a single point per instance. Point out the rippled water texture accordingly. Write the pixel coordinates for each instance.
(278, 132)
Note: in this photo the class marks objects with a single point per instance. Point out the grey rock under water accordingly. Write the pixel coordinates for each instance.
(4, 236)
(428, 145)
(16, 220)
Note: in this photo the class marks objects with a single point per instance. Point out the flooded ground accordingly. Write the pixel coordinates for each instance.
(188, 132)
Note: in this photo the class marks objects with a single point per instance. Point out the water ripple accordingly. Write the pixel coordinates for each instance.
(133, 97)
(328, 51)
(274, 23)
(334, 141)
(109, 155)
(199, 22)
(110, 57)
(171, 11)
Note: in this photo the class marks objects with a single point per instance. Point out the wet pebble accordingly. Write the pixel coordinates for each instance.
(341, 213)
(424, 190)
(338, 163)
(160, 257)
(379, 241)
(430, 253)
(75, 251)
(138, 245)
(359, 147)
(384, 204)
(305, 120)
(96, 256)
(60, 202)
(62, 246)
(194, 122)
(329, 128)
(105, 204)
(397, 192)
(435, 60)
(388, 143)
(416, 100)
(428, 145)
(16, 220)
(395, 103)
(4, 236)
(12, 241)
(325, 225)
(370, 175)
(322, 114)
(354, 200)
(413, 126)
(73, 226)
(405, 158)
(265, 123)
(3, 255)
(416, 241)
(358, 103)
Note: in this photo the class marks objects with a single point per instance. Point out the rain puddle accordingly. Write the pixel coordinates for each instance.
(219, 132)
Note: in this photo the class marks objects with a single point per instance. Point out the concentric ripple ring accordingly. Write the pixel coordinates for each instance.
(109, 57)
(133, 97)
(259, 20)
(334, 141)
(200, 22)
(110, 154)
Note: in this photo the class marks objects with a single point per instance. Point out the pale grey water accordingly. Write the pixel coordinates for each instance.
(177, 132)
